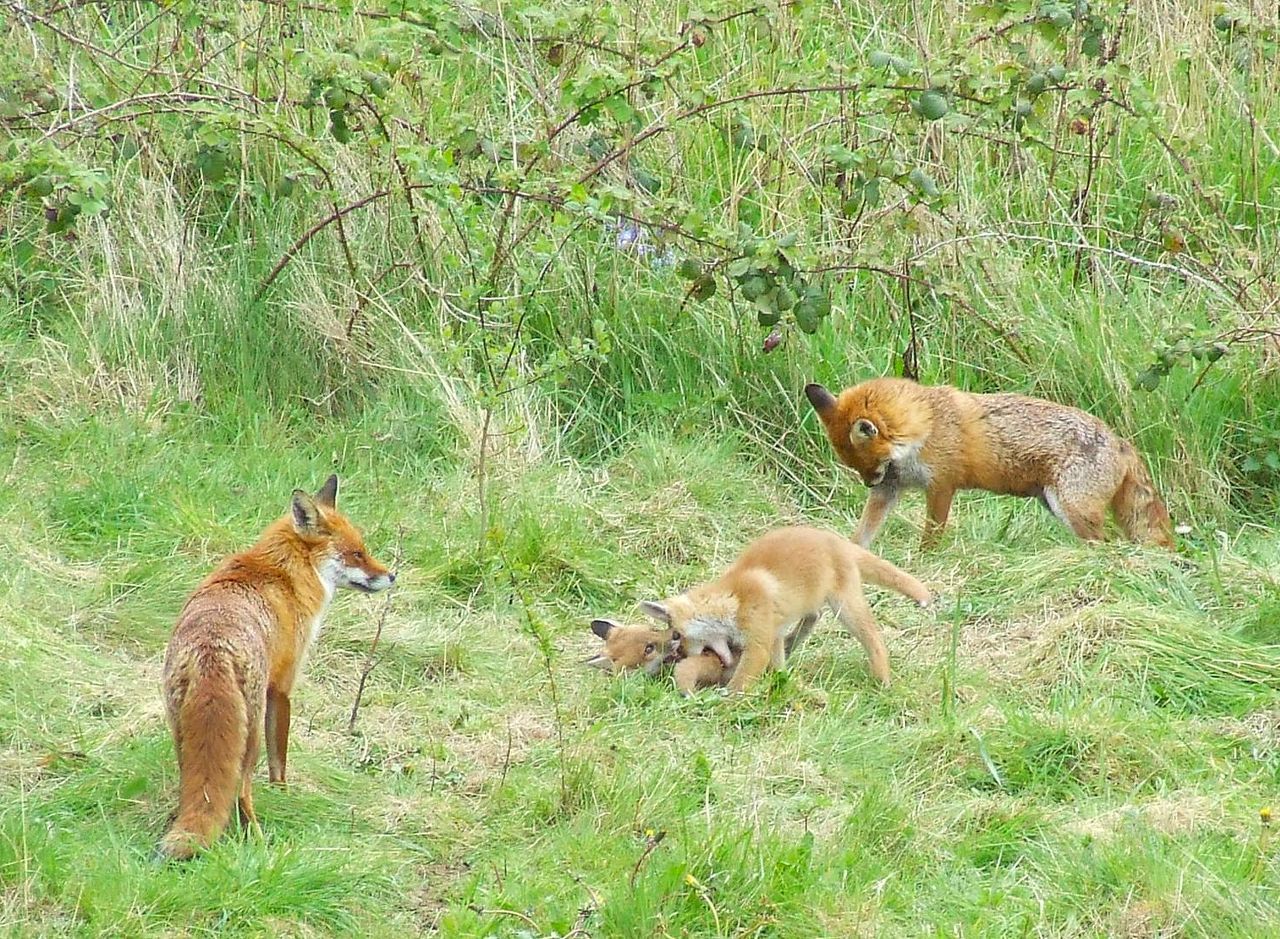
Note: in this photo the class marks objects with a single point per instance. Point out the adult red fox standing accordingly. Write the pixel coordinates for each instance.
(237, 650)
(901, 435)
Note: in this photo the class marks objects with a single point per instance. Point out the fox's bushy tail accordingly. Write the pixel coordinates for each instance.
(1138, 507)
(211, 733)
(876, 570)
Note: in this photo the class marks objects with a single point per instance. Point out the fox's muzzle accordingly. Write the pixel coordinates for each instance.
(375, 584)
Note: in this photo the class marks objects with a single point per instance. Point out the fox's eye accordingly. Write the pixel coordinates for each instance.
(648, 650)
(357, 555)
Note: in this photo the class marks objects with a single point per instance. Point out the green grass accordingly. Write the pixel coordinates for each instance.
(1078, 740)
(1100, 758)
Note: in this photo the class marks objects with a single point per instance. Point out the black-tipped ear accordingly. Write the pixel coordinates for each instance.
(328, 494)
(602, 627)
(821, 399)
(306, 514)
(656, 610)
(599, 661)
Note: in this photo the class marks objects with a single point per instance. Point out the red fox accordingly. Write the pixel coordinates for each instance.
(627, 648)
(237, 650)
(900, 435)
(786, 576)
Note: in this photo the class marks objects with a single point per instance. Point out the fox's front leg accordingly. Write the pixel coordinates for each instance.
(937, 508)
(879, 504)
(755, 659)
(277, 734)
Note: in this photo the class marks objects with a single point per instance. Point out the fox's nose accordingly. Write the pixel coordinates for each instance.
(391, 576)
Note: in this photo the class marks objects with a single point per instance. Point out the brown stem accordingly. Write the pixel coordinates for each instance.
(370, 661)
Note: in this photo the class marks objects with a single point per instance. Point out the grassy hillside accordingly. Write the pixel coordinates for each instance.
(512, 271)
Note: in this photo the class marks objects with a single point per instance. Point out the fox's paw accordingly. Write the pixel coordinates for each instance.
(941, 603)
(175, 846)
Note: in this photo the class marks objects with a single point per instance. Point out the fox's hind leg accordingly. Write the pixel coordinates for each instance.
(248, 819)
(854, 612)
(778, 660)
(795, 639)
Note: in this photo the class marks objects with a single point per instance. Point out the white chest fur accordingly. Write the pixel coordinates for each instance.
(327, 572)
(709, 629)
(910, 471)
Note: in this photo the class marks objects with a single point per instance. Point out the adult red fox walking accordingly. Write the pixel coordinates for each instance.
(237, 650)
(901, 435)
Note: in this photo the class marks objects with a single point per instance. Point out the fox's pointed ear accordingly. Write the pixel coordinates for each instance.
(306, 514)
(822, 400)
(602, 627)
(599, 661)
(328, 494)
(657, 610)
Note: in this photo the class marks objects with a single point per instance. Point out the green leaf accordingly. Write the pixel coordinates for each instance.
(1091, 45)
(689, 268)
(754, 287)
(704, 288)
(743, 134)
(931, 105)
(620, 109)
(923, 182)
(871, 193)
(807, 318)
(784, 298)
(23, 252)
(1148, 380)
(646, 180)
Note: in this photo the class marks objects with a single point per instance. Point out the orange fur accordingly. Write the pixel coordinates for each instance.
(631, 648)
(699, 671)
(901, 435)
(236, 652)
(786, 576)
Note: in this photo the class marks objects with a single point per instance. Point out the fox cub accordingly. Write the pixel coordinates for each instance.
(900, 435)
(237, 650)
(784, 577)
(627, 648)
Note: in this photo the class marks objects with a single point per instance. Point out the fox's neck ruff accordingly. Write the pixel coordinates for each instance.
(303, 565)
(706, 625)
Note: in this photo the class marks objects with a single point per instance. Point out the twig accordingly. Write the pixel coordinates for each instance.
(370, 662)
(310, 233)
(653, 842)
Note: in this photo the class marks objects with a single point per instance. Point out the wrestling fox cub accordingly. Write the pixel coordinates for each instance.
(627, 648)
(901, 435)
(236, 652)
(784, 577)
